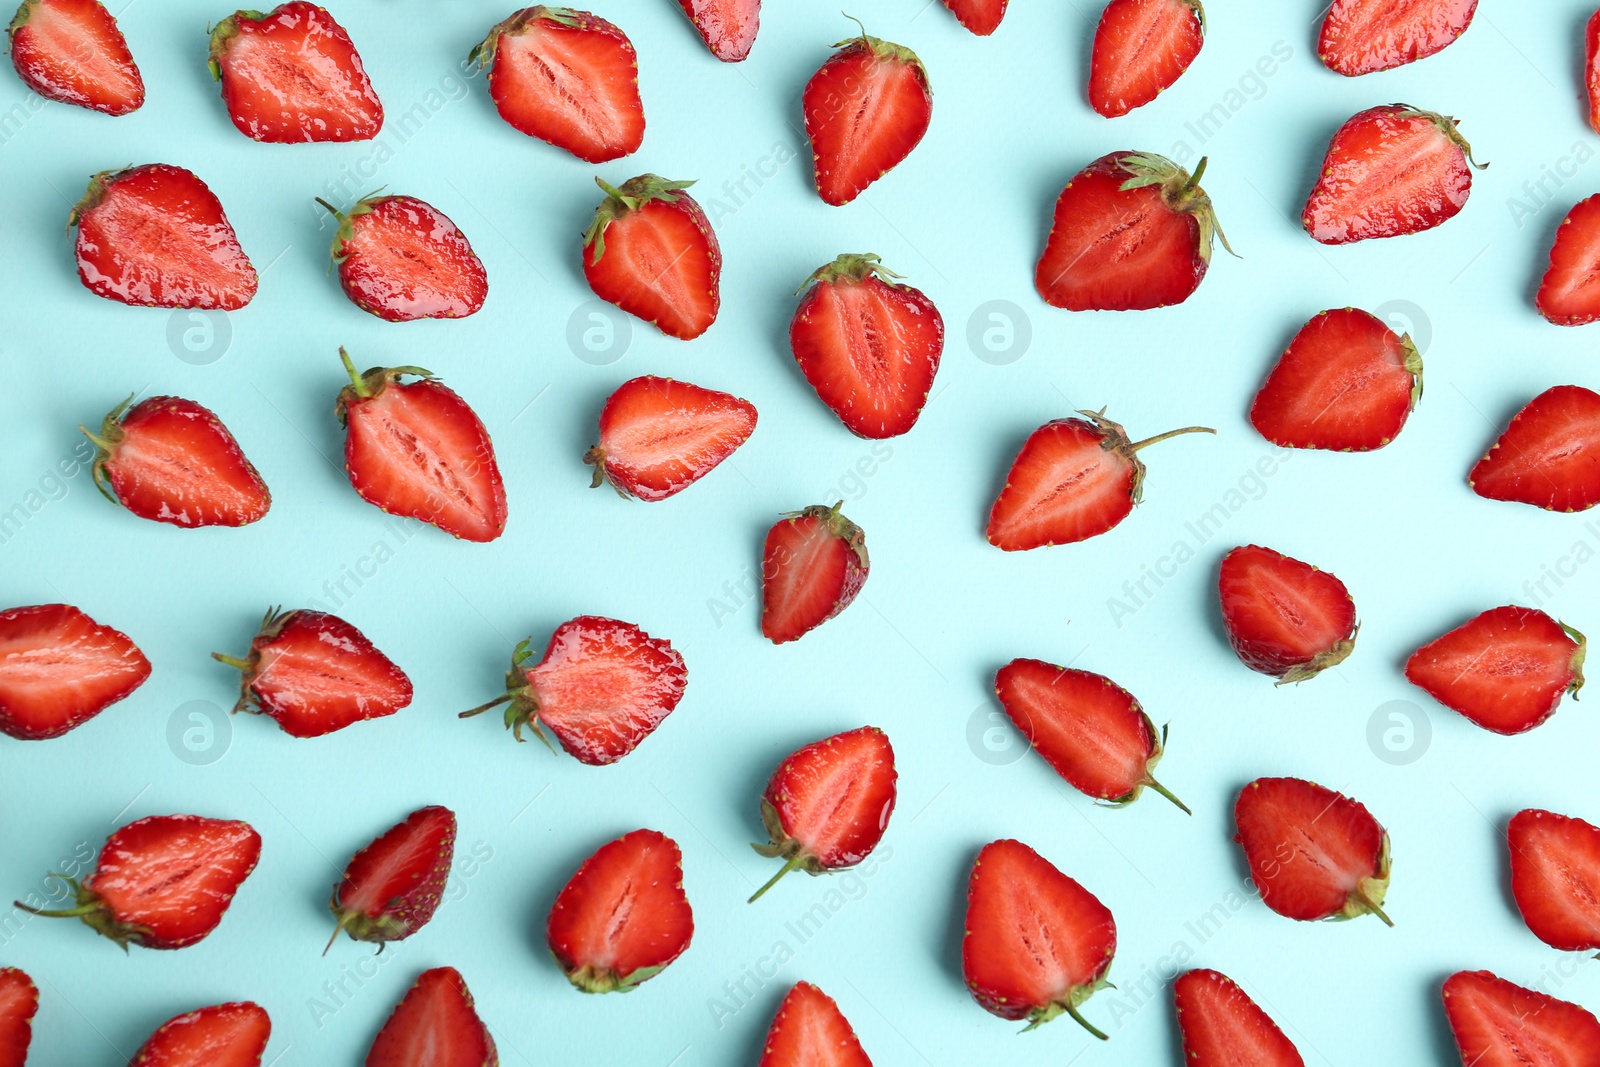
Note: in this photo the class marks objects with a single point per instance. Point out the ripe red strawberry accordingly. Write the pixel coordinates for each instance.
(982, 17)
(1506, 669)
(728, 27)
(623, 917)
(602, 687)
(402, 259)
(1550, 454)
(1140, 48)
(1284, 617)
(156, 236)
(224, 1035)
(869, 346)
(1091, 730)
(72, 51)
(1131, 231)
(1555, 878)
(1362, 36)
(435, 1025)
(162, 882)
(812, 566)
(1390, 170)
(567, 77)
(59, 669)
(1222, 1027)
(1346, 383)
(659, 436)
(865, 110)
(1074, 479)
(1499, 1024)
(1036, 943)
(827, 805)
(1591, 68)
(293, 75)
(416, 449)
(810, 1031)
(651, 252)
(392, 887)
(19, 1002)
(314, 673)
(1313, 853)
(1569, 293)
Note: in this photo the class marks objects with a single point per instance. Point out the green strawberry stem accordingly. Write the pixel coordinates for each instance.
(1372, 906)
(357, 382)
(344, 920)
(1164, 791)
(232, 661)
(1158, 438)
(86, 908)
(1072, 1010)
(481, 708)
(794, 863)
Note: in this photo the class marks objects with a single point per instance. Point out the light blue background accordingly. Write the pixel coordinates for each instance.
(963, 219)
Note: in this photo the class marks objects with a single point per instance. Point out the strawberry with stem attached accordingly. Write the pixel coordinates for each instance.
(728, 27)
(1284, 618)
(402, 259)
(73, 52)
(809, 1030)
(434, 1025)
(223, 1035)
(59, 669)
(650, 250)
(1549, 455)
(1222, 1027)
(813, 564)
(391, 888)
(1363, 36)
(1140, 48)
(1505, 669)
(1555, 878)
(1497, 1023)
(19, 1002)
(659, 436)
(981, 17)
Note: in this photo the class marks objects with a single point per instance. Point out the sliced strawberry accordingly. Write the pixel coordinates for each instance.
(1499, 1024)
(651, 252)
(72, 51)
(602, 687)
(869, 346)
(1222, 1027)
(1550, 454)
(314, 673)
(1313, 853)
(19, 1002)
(728, 27)
(1140, 48)
(659, 436)
(865, 110)
(810, 1031)
(416, 449)
(293, 75)
(1284, 617)
(982, 17)
(623, 917)
(402, 259)
(392, 887)
(156, 236)
(1591, 68)
(435, 1025)
(1074, 479)
(813, 564)
(1555, 878)
(1091, 730)
(59, 669)
(1362, 36)
(1506, 669)
(224, 1035)
(1569, 293)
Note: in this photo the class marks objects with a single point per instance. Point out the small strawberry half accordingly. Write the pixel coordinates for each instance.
(1549, 456)
(223, 1035)
(1036, 943)
(1089, 729)
(293, 75)
(19, 1002)
(865, 110)
(1222, 1027)
(156, 236)
(1591, 68)
(1346, 383)
(810, 1031)
(162, 882)
(869, 346)
(434, 1025)
(602, 687)
(1313, 853)
(1284, 618)
(981, 17)
(59, 669)
(392, 887)
(813, 564)
(1555, 878)
(417, 450)
(566, 77)
(1073, 479)
(728, 27)
(623, 917)
(659, 436)
(1131, 231)
(402, 259)
(1506, 669)
(73, 52)
(1569, 293)
(1363, 36)
(1140, 48)
(1497, 1023)
(650, 251)
(314, 673)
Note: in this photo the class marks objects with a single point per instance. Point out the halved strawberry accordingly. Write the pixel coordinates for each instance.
(1284, 617)
(602, 687)
(650, 251)
(810, 1031)
(1140, 48)
(567, 77)
(623, 917)
(982, 17)
(293, 75)
(1497, 1023)
(72, 51)
(416, 449)
(314, 673)
(865, 110)
(224, 1035)
(659, 436)
(435, 1025)
(1089, 729)
(391, 888)
(59, 669)
(1362, 36)
(728, 27)
(1555, 878)
(19, 1002)
(1549, 456)
(156, 236)
(1506, 669)
(1036, 943)
(1569, 293)
(1313, 853)
(162, 882)
(1131, 231)
(869, 346)
(1222, 1027)
(1591, 68)
(1073, 479)
(813, 564)
(1346, 383)
(402, 259)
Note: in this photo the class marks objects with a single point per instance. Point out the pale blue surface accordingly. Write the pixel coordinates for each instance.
(964, 219)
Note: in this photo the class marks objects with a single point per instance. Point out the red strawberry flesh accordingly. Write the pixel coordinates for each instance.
(727, 26)
(1499, 1024)
(1222, 1027)
(1555, 878)
(402, 259)
(981, 17)
(1284, 618)
(1313, 853)
(434, 1025)
(73, 52)
(392, 887)
(810, 1031)
(1506, 669)
(865, 110)
(1569, 293)
(59, 669)
(1549, 456)
(659, 436)
(19, 1001)
(651, 252)
(813, 564)
(225, 1035)
(1140, 48)
(1363, 36)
